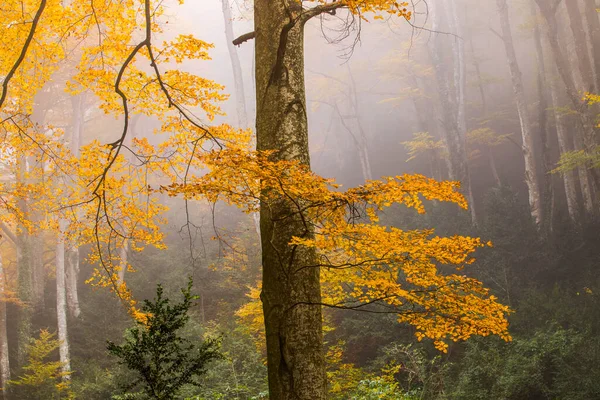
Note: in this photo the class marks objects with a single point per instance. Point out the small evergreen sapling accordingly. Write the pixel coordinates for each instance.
(41, 378)
(155, 349)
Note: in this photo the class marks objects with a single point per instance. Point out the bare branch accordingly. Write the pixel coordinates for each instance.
(303, 18)
(8, 232)
(329, 8)
(497, 34)
(244, 38)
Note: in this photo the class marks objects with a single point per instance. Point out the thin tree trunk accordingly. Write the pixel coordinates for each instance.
(365, 164)
(584, 134)
(583, 171)
(4, 348)
(484, 110)
(36, 244)
(563, 145)
(581, 48)
(61, 301)
(531, 176)
(123, 253)
(290, 293)
(24, 275)
(459, 64)
(427, 124)
(238, 84)
(36, 249)
(494, 168)
(4, 360)
(423, 117)
(585, 116)
(356, 130)
(360, 143)
(593, 28)
(72, 274)
(455, 138)
(460, 88)
(547, 189)
(72, 257)
(238, 80)
(77, 122)
(427, 106)
(479, 77)
(363, 143)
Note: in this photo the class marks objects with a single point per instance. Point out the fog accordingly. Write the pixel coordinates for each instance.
(504, 104)
(382, 57)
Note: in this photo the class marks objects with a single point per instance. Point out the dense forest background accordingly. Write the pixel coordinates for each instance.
(500, 95)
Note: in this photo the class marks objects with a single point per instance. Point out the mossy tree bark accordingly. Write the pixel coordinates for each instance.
(291, 293)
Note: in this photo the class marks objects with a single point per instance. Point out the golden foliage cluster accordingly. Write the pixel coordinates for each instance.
(80, 48)
(105, 195)
(363, 262)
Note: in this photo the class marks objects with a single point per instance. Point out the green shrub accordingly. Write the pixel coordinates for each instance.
(163, 360)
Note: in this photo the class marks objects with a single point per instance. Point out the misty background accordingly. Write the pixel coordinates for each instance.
(373, 91)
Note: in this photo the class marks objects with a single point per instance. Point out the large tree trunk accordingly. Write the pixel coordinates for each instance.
(531, 176)
(593, 27)
(290, 292)
(61, 300)
(4, 360)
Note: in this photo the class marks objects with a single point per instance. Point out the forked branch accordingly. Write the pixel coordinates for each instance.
(13, 70)
(304, 16)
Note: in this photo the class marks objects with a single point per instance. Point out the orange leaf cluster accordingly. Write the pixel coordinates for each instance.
(362, 262)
